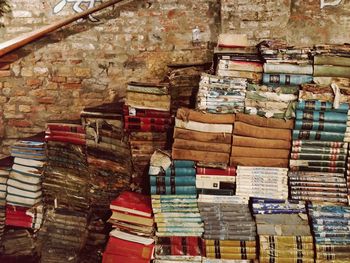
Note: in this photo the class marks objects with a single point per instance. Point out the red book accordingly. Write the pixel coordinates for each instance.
(130, 111)
(230, 171)
(111, 258)
(133, 203)
(68, 127)
(64, 133)
(146, 120)
(117, 246)
(18, 223)
(146, 127)
(57, 138)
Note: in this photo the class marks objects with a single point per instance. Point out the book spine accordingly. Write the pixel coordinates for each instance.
(288, 69)
(174, 171)
(319, 116)
(317, 169)
(317, 135)
(331, 71)
(285, 79)
(319, 150)
(66, 128)
(146, 127)
(172, 180)
(146, 120)
(313, 156)
(173, 190)
(320, 126)
(318, 144)
(316, 105)
(230, 171)
(130, 111)
(183, 164)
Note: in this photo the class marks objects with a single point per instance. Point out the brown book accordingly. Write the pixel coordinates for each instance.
(204, 156)
(264, 162)
(265, 122)
(202, 146)
(260, 143)
(249, 130)
(130, 218)
(192, 115)
(202, 136)
(238, 151)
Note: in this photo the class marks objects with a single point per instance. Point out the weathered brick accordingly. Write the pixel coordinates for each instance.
(20, 123)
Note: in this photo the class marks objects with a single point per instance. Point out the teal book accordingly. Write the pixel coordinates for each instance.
(317, 135)
(183, 163)
(286, 79)
(320, 126)
(172, 180)
(169, 190)
(316, 105)
(181, 171)
(321, 116)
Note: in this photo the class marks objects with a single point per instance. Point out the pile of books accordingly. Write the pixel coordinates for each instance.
(330, 224)
(235, 58)
(24, 191)
(318, 158)
(229, 228)
(221, 94)
(5, 168)
(63, 235)
(258, 141)
(284, 231)
(284, 64)
(264, 182)
(147, 120)
(183, 84)
(108, 154)
(132, 221)
(202, 137)
(66, 177)
(178, 222)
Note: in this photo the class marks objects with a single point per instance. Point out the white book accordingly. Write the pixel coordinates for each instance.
(16, 200)
(25, 194)
(130, 237)
(29, 162)
(202, 198)
(25, 178)
(203, 127)
(26, 169)
(24, 186)
(213, 181)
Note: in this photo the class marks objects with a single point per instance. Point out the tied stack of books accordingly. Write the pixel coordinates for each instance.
(235, 58)
(63, 235)
(108, 154)
(330, 224)
(147, 121)
(178, 222)
(24, 191)
(202, 137)
(264, 182)
(318, 158)
(183, 84)
(131, 239)
(221, 94)
(284, 64)
(212, 181)
(229, 228)
(66, 177)
(5, 168)
(259, 141)
(283, 230)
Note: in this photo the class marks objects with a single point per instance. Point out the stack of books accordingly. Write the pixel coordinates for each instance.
(202, 137)
(235, 58)
(66, 177)
(178, 222)
(5, 168)
(213, 181)
(183, 84)
(229, 228)
(284, 64)
(330, 224)
(259, 141)
(264, 182)
(284, 231)
(147, 120)
(221, 94)
(63, 235)
(132, 221)
(108, 154)
(318, 158)
(24, 193)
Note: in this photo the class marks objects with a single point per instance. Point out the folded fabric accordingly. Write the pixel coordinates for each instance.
(260, 143)
(192, 115)
(248, 130)
(238, 151)
(204, 156)
(264, 122)
(203, 127)
(270, 162)
(202, 136)
(201, 146)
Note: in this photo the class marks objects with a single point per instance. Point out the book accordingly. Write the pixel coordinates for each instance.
(133, 203)
(286, 79)
(229, 171)
(132, 218)
(287, 68)
(319, 116)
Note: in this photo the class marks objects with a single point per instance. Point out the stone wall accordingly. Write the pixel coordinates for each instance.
(89, 63)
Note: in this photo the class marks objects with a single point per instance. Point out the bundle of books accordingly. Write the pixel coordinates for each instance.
(108, 154)
(63, 235)
(229, 229)
(284, 231)
(330, 225)
(183, 84)
(318, 158)
(212, 181)
(259, 141)
(131, 239)
(66, 177)
(221, 94)
(235, 58)
(5, 168)
(284, 64)
(202, 137)
(147, 119)
(178, 222)
(264, 182)
(27, 217)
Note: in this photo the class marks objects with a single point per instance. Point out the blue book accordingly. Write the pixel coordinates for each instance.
(320, 126)
(181, 171)
(172, 180)
(326, 116)
(168, 190)
(183, 163)
(318, 135)
(316, 105)
(286, 79)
